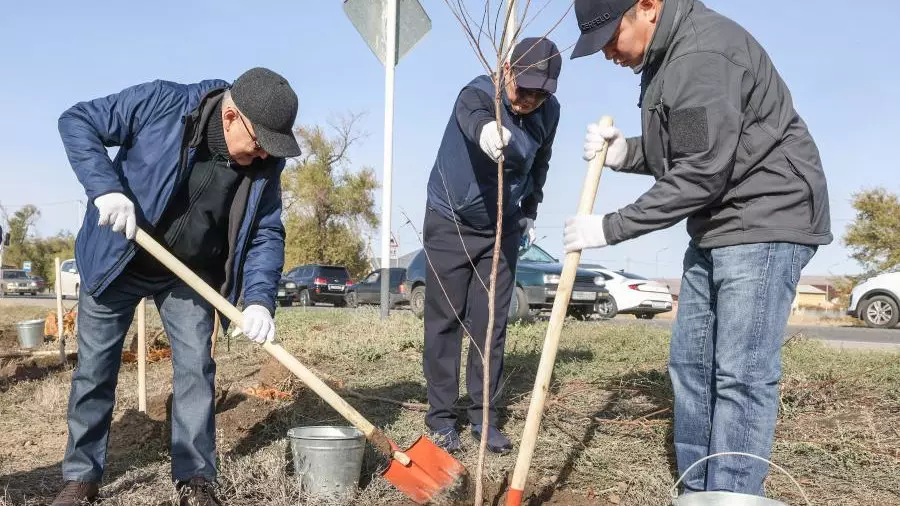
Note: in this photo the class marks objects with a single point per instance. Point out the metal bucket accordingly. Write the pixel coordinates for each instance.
(728, 498)
(328, 460)
(724, 499)
(31, 333)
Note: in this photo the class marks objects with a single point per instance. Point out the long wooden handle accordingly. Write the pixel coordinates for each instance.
(554, 329)
(372, 433)
(142, 355)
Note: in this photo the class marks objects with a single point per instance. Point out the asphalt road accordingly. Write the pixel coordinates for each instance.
(841, 337)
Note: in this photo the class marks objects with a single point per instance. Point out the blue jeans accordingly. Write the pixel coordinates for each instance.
(725, 359)
(102, 324)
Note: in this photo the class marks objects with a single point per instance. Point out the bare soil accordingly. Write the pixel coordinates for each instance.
(605, 437)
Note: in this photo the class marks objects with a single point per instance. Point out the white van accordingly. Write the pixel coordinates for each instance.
(70, 280)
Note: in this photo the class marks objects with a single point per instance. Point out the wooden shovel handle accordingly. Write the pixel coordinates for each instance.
(554, 329)
(372, 433)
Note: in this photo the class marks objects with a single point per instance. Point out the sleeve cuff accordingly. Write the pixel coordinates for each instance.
(267, 305)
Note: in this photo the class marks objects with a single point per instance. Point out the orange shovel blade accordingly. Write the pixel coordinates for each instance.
(432, 473)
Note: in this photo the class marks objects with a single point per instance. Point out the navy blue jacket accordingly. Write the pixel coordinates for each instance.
(463, 181)
(153, 126)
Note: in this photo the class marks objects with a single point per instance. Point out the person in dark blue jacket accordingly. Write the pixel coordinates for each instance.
(461, 223)
(198, 167)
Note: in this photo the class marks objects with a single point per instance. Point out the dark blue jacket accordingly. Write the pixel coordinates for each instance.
(153, 124)
(463, 181)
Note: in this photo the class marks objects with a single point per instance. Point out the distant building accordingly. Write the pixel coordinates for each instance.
(813, 291)
(810, 296)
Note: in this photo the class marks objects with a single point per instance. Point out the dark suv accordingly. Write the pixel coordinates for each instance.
(320, 283)
(287, 292)
(368, 290)
(537, 277)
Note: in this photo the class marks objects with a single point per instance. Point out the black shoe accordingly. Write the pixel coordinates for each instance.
(447, 438)
(197, 492)
(496, 441)
(77, 493)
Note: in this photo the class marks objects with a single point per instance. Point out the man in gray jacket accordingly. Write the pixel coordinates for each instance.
(731, 155)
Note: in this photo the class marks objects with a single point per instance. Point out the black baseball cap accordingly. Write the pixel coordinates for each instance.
(267, 100)
(598, 21)
(536, 63)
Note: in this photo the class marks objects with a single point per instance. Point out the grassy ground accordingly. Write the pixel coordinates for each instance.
(606, 437)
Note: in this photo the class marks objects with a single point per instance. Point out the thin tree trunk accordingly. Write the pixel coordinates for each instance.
(492, 295)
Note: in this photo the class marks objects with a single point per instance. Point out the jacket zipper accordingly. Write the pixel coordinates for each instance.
(659, 109)
(811, 201)
(238, 278)
(193, 200)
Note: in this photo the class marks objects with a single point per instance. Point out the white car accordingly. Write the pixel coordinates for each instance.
(631, 294)
(70, 280)
(875, 301)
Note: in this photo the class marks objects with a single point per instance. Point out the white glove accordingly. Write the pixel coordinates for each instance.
(492, 142)
(584, 232)
(116, 210)
(258, 325)
(597, 136)
(529, 233)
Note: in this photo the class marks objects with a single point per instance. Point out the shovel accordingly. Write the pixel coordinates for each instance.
(423, 472)
(551, 341)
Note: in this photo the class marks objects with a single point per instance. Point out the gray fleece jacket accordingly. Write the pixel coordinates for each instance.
(722, 139)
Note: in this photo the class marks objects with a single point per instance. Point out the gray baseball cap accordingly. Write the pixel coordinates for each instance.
(267, 100)
(537, 64)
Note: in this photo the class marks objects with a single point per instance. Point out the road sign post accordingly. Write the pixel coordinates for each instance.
(391, 28)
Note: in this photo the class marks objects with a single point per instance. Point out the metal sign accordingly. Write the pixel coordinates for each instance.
(26, 266)
(369, 19)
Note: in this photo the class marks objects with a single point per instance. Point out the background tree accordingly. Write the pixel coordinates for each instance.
(874, 235)
(24, 246)
(327, 205)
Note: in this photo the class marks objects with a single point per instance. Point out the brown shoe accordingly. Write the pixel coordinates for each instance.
(197, 492)
(77, 493)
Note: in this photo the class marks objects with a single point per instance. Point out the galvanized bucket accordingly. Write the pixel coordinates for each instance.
(31, 333)
(728, 498)
(328, 461)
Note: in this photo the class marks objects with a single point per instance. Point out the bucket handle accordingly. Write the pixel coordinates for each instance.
(674, 490)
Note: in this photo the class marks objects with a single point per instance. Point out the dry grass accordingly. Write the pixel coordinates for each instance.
(606, 437)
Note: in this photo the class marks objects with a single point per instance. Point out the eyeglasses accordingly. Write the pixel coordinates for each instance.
(256, 146)
(532, 93)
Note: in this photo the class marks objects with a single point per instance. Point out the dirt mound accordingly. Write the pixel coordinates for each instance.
(8, 338)
(27, 369)
(463, 493)
(274, 375)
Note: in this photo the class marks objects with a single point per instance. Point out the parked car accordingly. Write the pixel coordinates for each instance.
(368, 291)
(16, 281)
(39, 283)
(876, 301)
(537, 278)
(287, 292)
(320, 283)
(69, 279)
(631, 294)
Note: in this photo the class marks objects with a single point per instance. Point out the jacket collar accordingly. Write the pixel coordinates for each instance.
(673, 13)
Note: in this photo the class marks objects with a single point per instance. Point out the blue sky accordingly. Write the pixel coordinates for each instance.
(839, 62)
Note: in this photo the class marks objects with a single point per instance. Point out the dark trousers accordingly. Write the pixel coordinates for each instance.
(458, 266)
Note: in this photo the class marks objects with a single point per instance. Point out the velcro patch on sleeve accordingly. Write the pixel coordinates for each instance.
(689, 130)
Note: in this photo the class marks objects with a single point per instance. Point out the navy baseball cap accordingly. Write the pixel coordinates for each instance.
(536, 63)
(598, 21)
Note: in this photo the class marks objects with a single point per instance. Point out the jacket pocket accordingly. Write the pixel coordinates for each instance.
(811, 198)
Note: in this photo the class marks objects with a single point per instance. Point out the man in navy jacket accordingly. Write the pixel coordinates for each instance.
(198, 167)
(460, 227)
